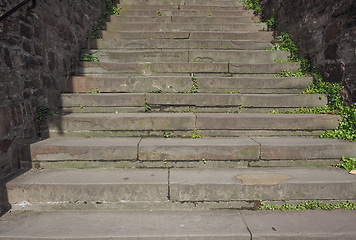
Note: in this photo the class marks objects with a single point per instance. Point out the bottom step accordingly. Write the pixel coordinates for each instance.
(109, 187)
(197, 225)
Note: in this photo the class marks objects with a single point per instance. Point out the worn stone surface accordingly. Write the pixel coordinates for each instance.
(36, 50)
(222, 184)
(312, 224)
(215, 149)
(149, 225)
(89, 185)
(330, 27)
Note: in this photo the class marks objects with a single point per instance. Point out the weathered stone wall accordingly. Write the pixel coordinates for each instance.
(325, 31)
(36, 50)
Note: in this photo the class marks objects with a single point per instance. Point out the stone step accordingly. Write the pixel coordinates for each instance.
(172, 84)
(136, 44)
(227, 124)
(173, 102)
(182, 124)
(121, 225)
(183, 19)
(254, 184)
(173, 68)
(124, 7)
(57, 153)
(258, 36)
(185, 12)
(181, 27)
(248, 56)
(90, 186)
(172, 224)
(183, 2)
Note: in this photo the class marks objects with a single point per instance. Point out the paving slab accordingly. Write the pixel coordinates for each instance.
(177, 44)
(88, 185)
(150, 225)
(198, 149)
(84, 84)
(173, 55)
(218, 121)
(85, 149)
(261, 183)
(164, 27)
(130, 84)
(242, 100)
(312, 224)
(103, 100)
(261, 35)
(148, 68)
(183, 2)
(305, 148)
(184, 12)
(123, 121)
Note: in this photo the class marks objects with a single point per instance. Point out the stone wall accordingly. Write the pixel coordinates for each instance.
(36, 50)
(325, 31)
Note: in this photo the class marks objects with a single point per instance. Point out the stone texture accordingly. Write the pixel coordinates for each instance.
(223, 184)
(121, 225)
(329, 26)
(36, 48)
(89, 185)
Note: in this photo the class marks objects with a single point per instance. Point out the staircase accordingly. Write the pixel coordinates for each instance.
(181, 127)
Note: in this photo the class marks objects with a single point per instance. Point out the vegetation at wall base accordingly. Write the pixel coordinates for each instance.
(348, 164)
(309, 205)
(109, 10)
(253, 5)
(347, 127)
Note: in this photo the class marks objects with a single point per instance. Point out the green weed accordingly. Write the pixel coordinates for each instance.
(309, 205)
(252, 5)
(109, 10)
(89, 57)
(195, 86)
(94, 91)
(156, 91)
(147, 107)
(195, 134)
(347, 163)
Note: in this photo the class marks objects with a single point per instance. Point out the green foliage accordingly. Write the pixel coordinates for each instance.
(94, 91)
(286, 73)
(196, 134)
(156, 91)
(167, 135)
(41, 114)
(109, 10)
(159, 13)
(287, 44)
(233, 92)
(347, 163)
(195, 87)
(147, 107)
(252, 5)
(309, 205)
(271, 24)
(347, 127)
(89, 57)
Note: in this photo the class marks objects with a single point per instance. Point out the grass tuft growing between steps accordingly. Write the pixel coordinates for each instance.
(348, 164)
(309, 205)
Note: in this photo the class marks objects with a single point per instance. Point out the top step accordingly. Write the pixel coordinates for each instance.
(183, 2)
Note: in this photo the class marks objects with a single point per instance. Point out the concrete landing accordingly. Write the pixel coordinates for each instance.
(197, 225)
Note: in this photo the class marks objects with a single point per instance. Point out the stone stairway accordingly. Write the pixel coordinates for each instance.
(180, 127)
